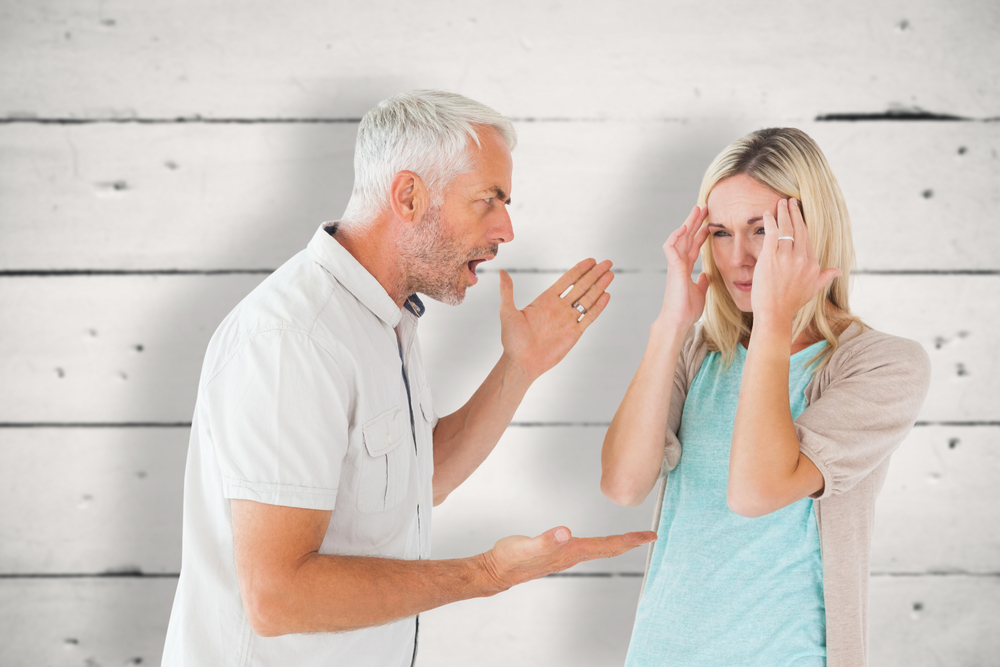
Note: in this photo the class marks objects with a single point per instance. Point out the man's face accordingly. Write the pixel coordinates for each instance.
(464, 229)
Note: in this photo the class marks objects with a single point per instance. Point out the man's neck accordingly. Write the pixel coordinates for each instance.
(375, 250)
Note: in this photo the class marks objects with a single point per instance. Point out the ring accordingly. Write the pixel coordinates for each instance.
(790, 238)
(580, 307)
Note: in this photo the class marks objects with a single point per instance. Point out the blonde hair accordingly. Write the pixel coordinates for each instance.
(789, 162)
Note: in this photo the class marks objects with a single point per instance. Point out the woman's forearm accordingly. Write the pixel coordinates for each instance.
(633, 447)
(767, 470)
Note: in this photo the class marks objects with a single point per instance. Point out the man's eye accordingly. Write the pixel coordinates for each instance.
(488, 200)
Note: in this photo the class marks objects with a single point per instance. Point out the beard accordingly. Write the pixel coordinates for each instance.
(435, 263)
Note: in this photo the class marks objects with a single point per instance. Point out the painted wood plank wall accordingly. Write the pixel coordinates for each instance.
(157, 159)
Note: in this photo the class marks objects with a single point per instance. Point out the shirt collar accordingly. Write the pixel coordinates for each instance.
(415, 305)
(328, 253)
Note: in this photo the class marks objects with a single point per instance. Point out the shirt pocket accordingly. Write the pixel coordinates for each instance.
(385, 464)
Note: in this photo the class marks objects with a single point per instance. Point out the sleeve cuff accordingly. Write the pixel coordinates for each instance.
(285, 495)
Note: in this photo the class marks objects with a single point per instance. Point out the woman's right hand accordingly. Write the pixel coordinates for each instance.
(684, 299)
(633, 446)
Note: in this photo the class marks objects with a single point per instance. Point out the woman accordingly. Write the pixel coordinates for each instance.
(787, 407)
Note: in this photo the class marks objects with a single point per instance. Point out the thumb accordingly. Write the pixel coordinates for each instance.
(826, 276)
(506, 293)
(550, 540)
(703, 283)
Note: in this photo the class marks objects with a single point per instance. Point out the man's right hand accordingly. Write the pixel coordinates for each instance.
(517, 559)
(538, 336)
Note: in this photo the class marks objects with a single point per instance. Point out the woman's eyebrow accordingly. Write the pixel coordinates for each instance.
(749, 222)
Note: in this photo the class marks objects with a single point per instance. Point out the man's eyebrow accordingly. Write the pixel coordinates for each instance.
(500, 194)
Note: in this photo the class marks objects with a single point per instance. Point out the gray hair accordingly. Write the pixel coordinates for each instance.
(423, 131)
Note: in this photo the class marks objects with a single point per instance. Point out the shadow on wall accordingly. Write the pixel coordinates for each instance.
(306, 169)
(651, 199)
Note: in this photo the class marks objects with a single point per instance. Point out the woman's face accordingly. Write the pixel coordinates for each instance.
(736, 207)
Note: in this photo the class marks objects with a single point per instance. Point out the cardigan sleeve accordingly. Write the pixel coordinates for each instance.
(861, 407)
(688, 363)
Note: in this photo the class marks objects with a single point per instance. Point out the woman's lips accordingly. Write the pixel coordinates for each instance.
(743, 287)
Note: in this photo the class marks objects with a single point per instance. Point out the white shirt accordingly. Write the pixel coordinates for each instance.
(302, 403)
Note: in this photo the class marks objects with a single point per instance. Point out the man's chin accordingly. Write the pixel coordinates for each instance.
(452, 297)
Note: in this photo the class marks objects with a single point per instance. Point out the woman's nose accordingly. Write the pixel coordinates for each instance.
(744, 252)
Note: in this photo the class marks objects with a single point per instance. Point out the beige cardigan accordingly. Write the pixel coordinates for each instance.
(860, 406)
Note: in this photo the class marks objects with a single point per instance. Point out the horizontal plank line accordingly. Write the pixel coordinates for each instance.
(957, 423)
(62, 273)
(914, 114)
(592, 575)
(560, 424)
(927, 272)
(533, 424)
(95, 424)
(71, 273)
(207, 120)
(180, 120)
(933, 573)
(138, 574)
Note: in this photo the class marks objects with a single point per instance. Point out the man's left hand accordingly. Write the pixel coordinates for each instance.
(537, 337)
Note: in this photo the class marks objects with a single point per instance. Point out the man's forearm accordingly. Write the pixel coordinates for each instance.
(286, 593)
(337, 593)
(464, 439)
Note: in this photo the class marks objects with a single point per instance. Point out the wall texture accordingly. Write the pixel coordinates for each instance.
(158, 159)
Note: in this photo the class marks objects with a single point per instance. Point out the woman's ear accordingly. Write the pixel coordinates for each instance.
(408, 196)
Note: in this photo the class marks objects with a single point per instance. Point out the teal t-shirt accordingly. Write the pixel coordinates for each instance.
(722, 589)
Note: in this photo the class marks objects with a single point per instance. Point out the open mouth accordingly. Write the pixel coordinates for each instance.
(472, 269)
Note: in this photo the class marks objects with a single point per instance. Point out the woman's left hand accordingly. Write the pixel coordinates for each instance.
(787, 275)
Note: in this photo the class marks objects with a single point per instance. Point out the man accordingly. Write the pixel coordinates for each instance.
(315, 453)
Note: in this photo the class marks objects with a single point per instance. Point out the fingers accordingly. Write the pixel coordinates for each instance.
(770, 234)
(686, 240)
(592, 283)
(800, 230)
(786, 231)
(589, 548)
(516, 559)
(586, 319)
(506, 294)
(590, 297)
(570, 278)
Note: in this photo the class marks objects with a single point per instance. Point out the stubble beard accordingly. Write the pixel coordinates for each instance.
(434, 262)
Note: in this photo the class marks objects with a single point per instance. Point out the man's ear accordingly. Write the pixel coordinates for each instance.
(408, 196)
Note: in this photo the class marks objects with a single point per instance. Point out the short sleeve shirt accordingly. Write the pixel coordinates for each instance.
(303, 402)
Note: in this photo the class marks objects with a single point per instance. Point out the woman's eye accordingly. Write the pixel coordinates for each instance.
(720, 234)
(759, 230)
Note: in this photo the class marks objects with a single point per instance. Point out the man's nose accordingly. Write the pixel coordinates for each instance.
(503, 228)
